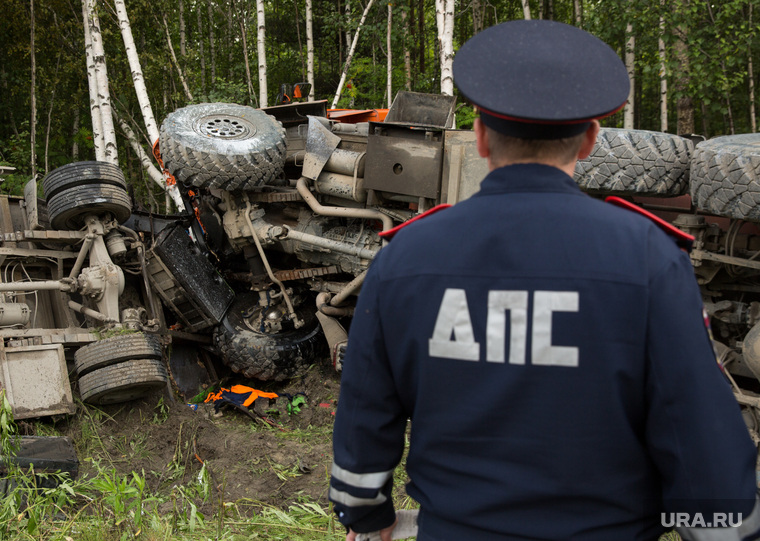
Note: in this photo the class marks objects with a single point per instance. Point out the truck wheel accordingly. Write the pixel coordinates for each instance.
(80, 174)
(117, 349)
(123, 382)
(725, 176)
(222, 145)
(68, 208)
(256, 354)
(636, 162)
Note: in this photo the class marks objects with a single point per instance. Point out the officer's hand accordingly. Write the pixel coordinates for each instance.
(383, 535)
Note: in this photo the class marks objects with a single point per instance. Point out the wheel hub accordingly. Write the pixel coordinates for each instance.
(225, 127)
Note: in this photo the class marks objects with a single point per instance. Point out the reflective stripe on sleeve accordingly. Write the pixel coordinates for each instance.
(361, 480)
(338, 496)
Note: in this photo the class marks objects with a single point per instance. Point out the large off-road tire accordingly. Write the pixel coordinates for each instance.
(725, 176)
(68, 209)
(636, 162)
(255, 354)
(123, 382)
(80, 174)
(116, 349)
(77, 189)
(222, 145)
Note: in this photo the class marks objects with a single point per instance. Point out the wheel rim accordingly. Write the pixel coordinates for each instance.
(225, 127)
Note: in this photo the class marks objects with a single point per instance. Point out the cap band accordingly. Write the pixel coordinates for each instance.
(530, 130)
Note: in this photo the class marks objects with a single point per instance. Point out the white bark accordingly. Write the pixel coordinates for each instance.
(309, 50)
(526, 9)
(630, 47)
(188, 95)
(444, 17)
(350, 55)
(243, 34)
(97, 125)
(663, 76)
(137, 74)
(145, 160)
(390, 57)
(349, 38)
(261, 52)
(101, 78)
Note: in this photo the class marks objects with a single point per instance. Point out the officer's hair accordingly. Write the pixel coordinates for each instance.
(506, 149)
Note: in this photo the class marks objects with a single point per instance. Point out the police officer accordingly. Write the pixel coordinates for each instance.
(549, 348)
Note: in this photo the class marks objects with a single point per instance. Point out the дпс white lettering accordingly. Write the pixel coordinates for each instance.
(454, 319)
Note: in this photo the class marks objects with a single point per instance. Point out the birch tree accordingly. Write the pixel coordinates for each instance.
(526, 9)
(630, 46)
(97, 124)
(137, 74)
(444, 17)
(350, 55)
(309, 50)
(103, 95)
(186, 88)
(390, 56)
(261, 52)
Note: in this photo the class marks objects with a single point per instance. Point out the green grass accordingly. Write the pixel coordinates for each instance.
(109, 506)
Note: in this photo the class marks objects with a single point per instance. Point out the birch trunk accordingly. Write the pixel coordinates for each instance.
(261, 52)
(350, 55)
(97, 124)
(526, 9)
(444, 16)
(188, 94)
(663, 76)
(33, 97)
(101, 78)
(137, 74)
(309, 50)
(248, 79)
(630, 46)
(390, 57)
(145, 160)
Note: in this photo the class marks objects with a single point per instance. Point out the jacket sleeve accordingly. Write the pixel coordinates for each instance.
(368, 436)
(694, 429)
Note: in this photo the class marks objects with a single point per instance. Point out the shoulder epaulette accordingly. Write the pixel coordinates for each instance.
(683, 240)
(389, 234)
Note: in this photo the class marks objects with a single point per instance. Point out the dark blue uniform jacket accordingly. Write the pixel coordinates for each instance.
(552, 355)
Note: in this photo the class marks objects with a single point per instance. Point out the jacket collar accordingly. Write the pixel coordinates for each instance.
(528, 177)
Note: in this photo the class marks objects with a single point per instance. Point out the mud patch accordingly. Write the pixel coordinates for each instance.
(248, 460)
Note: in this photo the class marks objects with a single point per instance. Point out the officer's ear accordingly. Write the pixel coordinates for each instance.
(589, 140)
(481, 138)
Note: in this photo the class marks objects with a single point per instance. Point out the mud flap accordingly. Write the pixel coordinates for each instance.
(337, 339)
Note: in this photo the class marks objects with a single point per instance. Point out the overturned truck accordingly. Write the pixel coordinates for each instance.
(284, 209)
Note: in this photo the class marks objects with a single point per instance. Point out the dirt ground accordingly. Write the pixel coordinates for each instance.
(274, 461)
